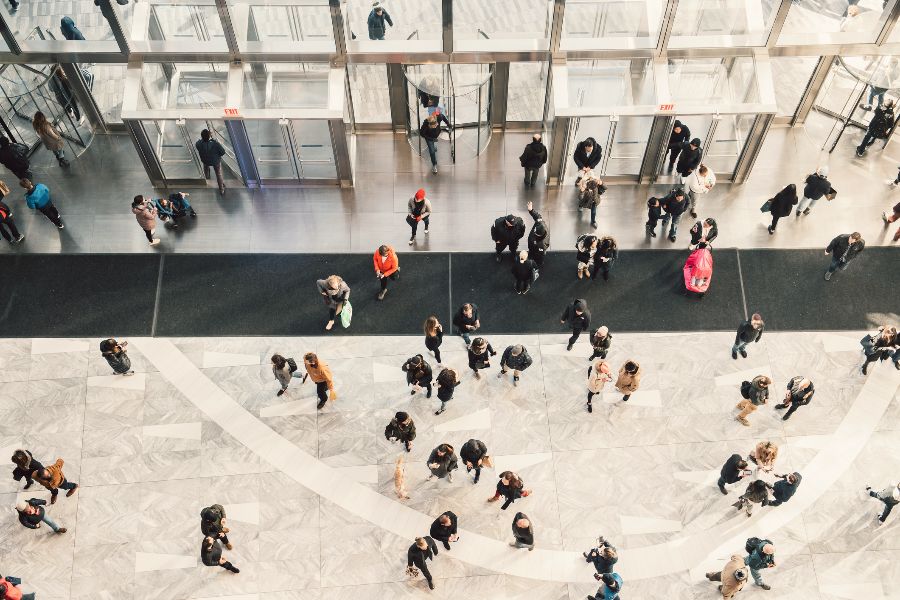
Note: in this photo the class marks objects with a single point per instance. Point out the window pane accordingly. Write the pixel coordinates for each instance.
(370, 93)
(790, 74)
(718, 80)
(621, 22)
(184, 85)
(722, 23)
(43, 20)
(611, 82)
(285, 85)
(412, 20)
(476, 21)
(527, 89)
(823, 22)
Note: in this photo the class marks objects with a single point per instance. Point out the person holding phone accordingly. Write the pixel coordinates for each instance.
(734, 469)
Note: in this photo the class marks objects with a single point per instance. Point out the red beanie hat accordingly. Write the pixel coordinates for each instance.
(420, 194)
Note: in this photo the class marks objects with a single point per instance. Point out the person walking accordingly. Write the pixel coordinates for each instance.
(401, 429)
(880, 127)
(31, 514)
(785, 488)
(881, 345)
(679, 135)
(691, 154)
(755, 393)
(61, 88)
(538, 237)
(764, 455)
(447, 380)
(757, 493)
(14, 156)
(817, 185)
(320, 374)
(606, 255)
(50, 137)
(466, 321)
(212, 524)
(654, 212)
(474, 455)
(629, 379)
(523, 270)
(800, 391)
(211, 152)
(175, 207)
(335, 292)
(610, 586)
(145, 212)
(699, 182)
(890, 496)
(442, 462)
(25, 466)
(515, 358)
(211, 555)
(523, 532)
(598, 374)
(284, 369)
(705, 232)
(386, 267)
(480, 353)
(8, 225)
(781, 205)
(418, 374)
(585, 251)
(444, 528)
(603, 556)
(734, 469)
(69, 30)
(843, 249)
(893, 218)
(747, 331)
(587, 156)
(422, 549)
(378, 22)
(116, 356)
(761, 555)
(53, 479)
(578, 318)
(430, 132)
(434, 337)
(732, 577)
(674, 204)
(418, 209)
(511, 487)
(533, 158)
(506, 232)
(601, 340)
(9, 585)
(590, 191)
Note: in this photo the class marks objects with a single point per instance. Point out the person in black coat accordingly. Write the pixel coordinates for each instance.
(523, 532)
(212, 524)
(506, 232)
(422, 549)
(578, 318)
(511, 487)
(704, 231)
(31, 514)
(587, 156)
(532, 159)
(843, 249)
(430, 132)
(691, 154)
(781, 205)
(480, 352)
(211, 152)
(603, 557)
(879, 127)
(523, 271)
(466, 321)
(680, 134)
(14, 156)
(8, 223)
(601, 340)
(785, 488)
(538, 237)
(654, 212)
(447, 380)
(817, 185)
(443, 529)
(800, 391)
(418, 374)
(401, 428)
(734, 469)
(606, 255)
(474, 453)
(674, 204)
(442, 462)
(747, 331)
(211, 555)
(25, 466)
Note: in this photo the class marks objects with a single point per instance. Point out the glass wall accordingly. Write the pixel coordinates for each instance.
(714, 80)
(369, 93)
(285, 85)
(612, 24)
(791, 74)
(712, 23)
(184, 85)
(527, 90)
(412, 20)
(611, 82)
(829, 22)
(520, 24)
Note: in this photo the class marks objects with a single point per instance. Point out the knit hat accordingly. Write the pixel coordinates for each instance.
(695, 142)
(539, 229)
(510, 218)
(21, 506)
(420, 194)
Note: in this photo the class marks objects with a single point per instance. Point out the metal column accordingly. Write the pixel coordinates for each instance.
(447, 26)
(499, 95)
(338, 130)
(9, 37)
(228, 30)
(558, 153)
(397, 91)
(665, 26)
(556, 25)
(657, 145)
(808, 99)
(110, 12)
(755, 138)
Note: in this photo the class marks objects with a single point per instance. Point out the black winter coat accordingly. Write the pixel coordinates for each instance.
(747, 333)
(538, 244)
(210, 553)
(697, 233)
(517, 363)
(210, 152)
(26, 470)
(583, 248)
(882, 122)
(416, 556)
(671, 205)
(601, 343)
(526, 535)
(501, 233)
(582, 321)
(460, 320)
(446, 463)
(442, 533)
(783, 491)
(33, 521)
(582, 159)
(730, 472)
(478, 360)
(522, 271)
(14, 157)
(678, 139)
(816, 187)
(420, 375)
(783, 202)
(473, 451)
(534, 155)
(399, 431)
(841, 244)
(689, 159)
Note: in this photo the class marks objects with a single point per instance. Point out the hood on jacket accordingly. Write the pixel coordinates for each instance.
(676, 124)
(580, 305)
(695, 142)
(69, 31)
(540, 230)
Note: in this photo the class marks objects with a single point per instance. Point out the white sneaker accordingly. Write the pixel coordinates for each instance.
(434, 169)
(450, 477)
(426, 231)
(155, 242)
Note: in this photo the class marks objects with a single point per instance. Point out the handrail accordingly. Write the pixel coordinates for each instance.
(414, 33)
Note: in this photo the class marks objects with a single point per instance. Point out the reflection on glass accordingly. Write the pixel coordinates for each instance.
(36, 21)
(632, 23)
(790, 74)
(314, 149)
(174, 149)
(477, 20)
(370, 94)
(285, 85)
(713, 80)
(105, 83)
(184, 85)
(294, 22)
(728, 140)
(412, 20)
(611, 82)
(628, 146)
(722, 23)
(527, 89)
(827, 21)
(185, 22)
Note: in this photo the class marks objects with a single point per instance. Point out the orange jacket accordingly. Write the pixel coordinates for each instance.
(55, 478)
(390, 265)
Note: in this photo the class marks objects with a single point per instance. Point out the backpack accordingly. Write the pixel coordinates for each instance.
(213, 514)
(745, 389)
(754, 543)
(292, 365)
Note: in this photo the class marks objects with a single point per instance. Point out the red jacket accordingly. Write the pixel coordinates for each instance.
(390, 265)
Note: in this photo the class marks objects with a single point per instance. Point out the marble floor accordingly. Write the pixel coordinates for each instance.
(310, 494)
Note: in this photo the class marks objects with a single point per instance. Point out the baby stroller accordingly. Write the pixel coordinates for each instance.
(173, 208)
(698, 269)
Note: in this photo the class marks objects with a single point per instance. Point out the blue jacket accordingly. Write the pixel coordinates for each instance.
(39, 197)
(605, 593)
(69, 31)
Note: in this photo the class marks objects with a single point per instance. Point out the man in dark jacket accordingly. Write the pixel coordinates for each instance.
(443, 529)
(506, 232)
(674, 204)
(578, 317)
(734, 469)
(25, 466)
(31, 514)
(587, 156)
(533, 158)
(785, 488)
(879, 127)
(473, 454)
(538, 237)
(466, 321)
(843, 249)
(523, 532)
(601, 340)
(680, 134)
(14, 157)
(212, 524)
(762, 556)
(376, 22)
(606, 254)
(8, 228)
(817, 185)
(800, 391)
(603, 557)
(654, 212)
(517, 359)
(211, 152)
(402, 429)
(422, 549)
(691, 154)
(747, 331)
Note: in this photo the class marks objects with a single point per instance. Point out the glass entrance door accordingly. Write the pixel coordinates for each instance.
(722, 138)
(174, 149)
(291, 151)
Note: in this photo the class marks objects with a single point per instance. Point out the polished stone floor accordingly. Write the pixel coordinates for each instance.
(310, 494)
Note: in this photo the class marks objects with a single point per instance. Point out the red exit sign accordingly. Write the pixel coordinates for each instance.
(232, 112)
(662, 107)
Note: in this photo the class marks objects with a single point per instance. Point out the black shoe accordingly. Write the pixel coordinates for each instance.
(28, 485)
(193, 214)
(743, 352)
(865, 368)
(590, 407)
(723, 490)
(771, 230)
(806, 212)
(734, 355)
(320, 404)
(594, 224)
(569, 347)
(897, 365)
(784, 418)
(765, 586)
(693, 214)
(280, 392)
(672, 238)
(430, 584)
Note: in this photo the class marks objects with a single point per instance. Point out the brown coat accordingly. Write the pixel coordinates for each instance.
(56, 475)
(730, 585)
(48, 134)
(765, 458)
(320, 373)
(628, 383)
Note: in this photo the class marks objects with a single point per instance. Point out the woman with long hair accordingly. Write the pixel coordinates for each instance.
(434, 336)
(50, 136)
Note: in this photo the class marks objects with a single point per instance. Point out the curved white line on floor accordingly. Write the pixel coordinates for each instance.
(687, 553)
